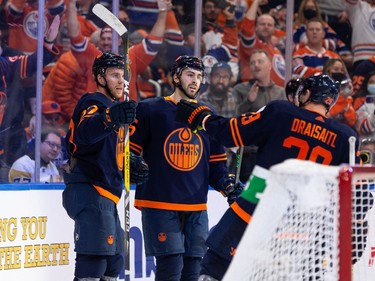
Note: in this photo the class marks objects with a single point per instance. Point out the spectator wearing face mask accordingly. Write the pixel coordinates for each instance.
(360, 71)
(309, 9)
(365, 124)
(343, 110)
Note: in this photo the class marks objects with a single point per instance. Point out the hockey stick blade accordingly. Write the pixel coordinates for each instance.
(104, 14)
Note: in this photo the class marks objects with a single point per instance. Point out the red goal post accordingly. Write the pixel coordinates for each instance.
(304, 225)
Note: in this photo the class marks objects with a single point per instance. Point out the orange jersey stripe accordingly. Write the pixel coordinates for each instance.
(218, 159)
(169, 206)
(107, 194)
(241, 212)
(218, 156)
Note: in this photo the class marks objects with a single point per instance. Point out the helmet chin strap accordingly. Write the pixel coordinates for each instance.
(302, 104)
(178, 85)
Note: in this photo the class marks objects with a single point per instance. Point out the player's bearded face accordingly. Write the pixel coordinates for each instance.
(191, 80)
(115, 82)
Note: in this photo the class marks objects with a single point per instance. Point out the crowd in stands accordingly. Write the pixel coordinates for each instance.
(242, 45)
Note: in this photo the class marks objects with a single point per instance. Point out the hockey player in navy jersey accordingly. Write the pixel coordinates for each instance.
(281, 130)
(182, 166)
(95, 142)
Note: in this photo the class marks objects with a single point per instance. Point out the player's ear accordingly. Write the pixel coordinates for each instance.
(176, 79)
(308, 93)
(101, 79)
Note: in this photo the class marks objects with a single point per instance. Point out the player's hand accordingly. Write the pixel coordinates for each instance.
(118, 114)
(192, 114)
(138, 169)
(235, 193)
(229, 189)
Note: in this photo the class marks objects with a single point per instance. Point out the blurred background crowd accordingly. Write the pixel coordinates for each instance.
(244, 45)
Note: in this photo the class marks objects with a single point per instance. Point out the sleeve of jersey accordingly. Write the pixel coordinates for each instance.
(300, 68)
(84, 52)
(27, 64)
(247, 36)
(247, 129)
(366, 124)
(173, 34)
(143, 53)
(218, 162)
(90, 127)
(20, 172)
(55, 7)
(230, 39)
(138, 130)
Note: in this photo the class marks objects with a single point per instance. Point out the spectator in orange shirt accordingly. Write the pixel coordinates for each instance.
(309, 59)
(308, 10)
(342, 110)
(257, 33)
(68, 81)
(22, 19)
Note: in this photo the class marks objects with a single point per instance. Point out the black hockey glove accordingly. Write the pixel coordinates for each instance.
(119, 114)
(192, 114)
(138, 169)
(229, 189)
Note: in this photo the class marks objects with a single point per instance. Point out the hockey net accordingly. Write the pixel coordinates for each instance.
(302, 227)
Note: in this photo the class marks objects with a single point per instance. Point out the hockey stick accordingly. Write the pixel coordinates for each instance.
(239, 155)
(104, 14)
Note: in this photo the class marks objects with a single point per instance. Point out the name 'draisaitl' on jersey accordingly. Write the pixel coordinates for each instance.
(313, 130)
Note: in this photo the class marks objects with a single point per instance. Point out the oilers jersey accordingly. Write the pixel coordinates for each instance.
(282, 130)
(96, 152)
(182, 164)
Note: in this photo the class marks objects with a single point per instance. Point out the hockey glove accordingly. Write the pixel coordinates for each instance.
(118, 114)
(229, 189)
(192, 114)
(138, 169)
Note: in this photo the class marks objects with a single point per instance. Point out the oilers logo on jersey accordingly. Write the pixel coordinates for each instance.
(183, 149)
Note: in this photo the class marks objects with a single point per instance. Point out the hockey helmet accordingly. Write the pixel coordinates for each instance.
(183, 62)
(292, 86)
(324, 90)
(105, 60)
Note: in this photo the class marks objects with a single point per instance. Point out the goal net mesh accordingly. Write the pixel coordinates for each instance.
(294, 232)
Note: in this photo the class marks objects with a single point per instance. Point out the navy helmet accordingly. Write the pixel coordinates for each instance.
(292, 86)
(105, 60)
(324, 90)
(183, 62)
